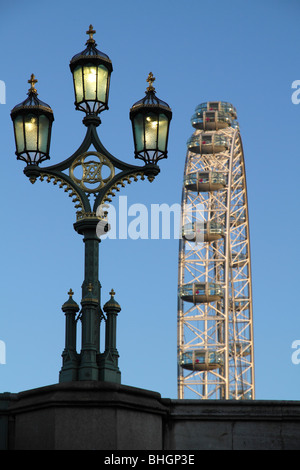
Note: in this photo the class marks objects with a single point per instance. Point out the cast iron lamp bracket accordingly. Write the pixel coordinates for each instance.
(91, 182)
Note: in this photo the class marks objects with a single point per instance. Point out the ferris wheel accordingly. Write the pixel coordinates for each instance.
(215, 319)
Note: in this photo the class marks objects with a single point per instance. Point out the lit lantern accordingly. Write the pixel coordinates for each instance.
(91, 71)
(150, 119)
(32, 127)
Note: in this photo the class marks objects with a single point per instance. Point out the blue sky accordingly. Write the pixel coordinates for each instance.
(246, 53)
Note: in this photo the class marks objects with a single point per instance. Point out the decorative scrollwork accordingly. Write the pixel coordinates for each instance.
(126, 179)
(67, 188)
(87, 215)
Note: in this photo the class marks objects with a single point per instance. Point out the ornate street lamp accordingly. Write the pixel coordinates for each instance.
(81, 176)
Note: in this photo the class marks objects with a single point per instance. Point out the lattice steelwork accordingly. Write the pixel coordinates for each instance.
(215, 326)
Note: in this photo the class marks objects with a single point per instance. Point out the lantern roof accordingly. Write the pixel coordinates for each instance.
(90, 52)
(150, 99)
(32, 101)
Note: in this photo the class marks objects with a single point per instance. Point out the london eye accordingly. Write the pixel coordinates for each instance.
(215, 319)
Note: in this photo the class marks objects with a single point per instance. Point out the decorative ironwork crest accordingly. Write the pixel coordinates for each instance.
(92, 179)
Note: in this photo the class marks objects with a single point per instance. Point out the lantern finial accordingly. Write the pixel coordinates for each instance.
(32, 82)
(150, 80)
(91, 32)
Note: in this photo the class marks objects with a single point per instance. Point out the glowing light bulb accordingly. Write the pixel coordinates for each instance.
(92, 76)
(154, 123)
(30, 125)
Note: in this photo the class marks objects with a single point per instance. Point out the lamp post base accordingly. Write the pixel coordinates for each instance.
(68, 374)
(108, 369)
(112, 376)
(88, 373)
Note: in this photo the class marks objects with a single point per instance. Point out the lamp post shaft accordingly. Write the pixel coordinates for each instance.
(91, 264)
(88, 367)
(91, 311)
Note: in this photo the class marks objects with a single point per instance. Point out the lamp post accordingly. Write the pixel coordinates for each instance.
(81, 176)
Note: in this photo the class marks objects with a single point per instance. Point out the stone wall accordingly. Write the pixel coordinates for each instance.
(233, 425)
(107, 416)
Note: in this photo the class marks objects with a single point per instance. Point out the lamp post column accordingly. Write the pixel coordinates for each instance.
(109, 370)
(69, 368)
(91, 311)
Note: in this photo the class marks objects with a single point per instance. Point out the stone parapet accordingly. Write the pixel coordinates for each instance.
(109, 416)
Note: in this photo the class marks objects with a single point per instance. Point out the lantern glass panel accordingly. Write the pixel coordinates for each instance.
(90, 82)
(43, 133)
(31, 132)
(102, 83)
(139, 132)
(19, 133)
(78, 83)
(151, 128)
(163, 132)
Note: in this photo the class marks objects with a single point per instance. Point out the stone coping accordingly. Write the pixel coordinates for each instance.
(83, 393)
